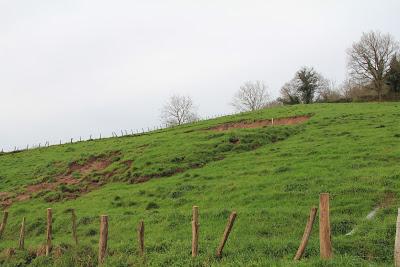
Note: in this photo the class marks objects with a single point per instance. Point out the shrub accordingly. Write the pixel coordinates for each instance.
(152, 205)
(91, 232)
(53, 196)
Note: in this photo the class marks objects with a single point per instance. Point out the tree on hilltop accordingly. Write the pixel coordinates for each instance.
(178, 110)
(369, 60)
(252, 95)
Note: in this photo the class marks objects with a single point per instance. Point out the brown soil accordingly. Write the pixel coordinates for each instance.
(91, 165)
(388, 199)
(142, 179)
(260, 123)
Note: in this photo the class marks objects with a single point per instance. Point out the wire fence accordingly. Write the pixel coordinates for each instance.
(359, 251)
(100, 136)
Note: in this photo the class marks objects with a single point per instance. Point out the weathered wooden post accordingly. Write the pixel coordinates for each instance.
(195, 231)
(140, 234)
(48, 234)
(21, 242)
(74, 235)
(3, 223)
(325, 245)
(397, 242)
(103, 238)
(306, 234)
(227, 231)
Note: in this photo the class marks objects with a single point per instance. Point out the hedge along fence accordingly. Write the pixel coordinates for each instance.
(326, 249)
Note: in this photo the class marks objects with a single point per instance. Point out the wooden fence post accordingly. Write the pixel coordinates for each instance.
(48, 234)
(74, 235)
(195, 231)
(21, 242)
(227, 231)
(306, 234)
(103, 238)
(397, 242)
(3, 223)
(325, 245)
(140, 234)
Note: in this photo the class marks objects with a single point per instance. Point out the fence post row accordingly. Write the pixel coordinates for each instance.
(324, 232)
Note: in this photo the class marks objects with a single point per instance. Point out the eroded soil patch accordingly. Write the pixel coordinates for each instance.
(260, 123)
(81, 170)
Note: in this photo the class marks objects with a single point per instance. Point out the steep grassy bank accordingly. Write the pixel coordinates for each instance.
(270, 175)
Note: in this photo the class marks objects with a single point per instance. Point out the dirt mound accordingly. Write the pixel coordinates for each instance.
(260, 123)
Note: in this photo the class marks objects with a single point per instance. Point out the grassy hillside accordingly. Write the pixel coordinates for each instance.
(271, 175)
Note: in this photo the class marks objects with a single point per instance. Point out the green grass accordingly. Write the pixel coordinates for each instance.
(272, 178)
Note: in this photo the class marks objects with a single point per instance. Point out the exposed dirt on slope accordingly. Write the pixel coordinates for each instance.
(82, 170)
(260, 123)
(92, 165)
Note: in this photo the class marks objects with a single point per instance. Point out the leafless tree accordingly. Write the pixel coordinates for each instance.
(352, 91)
(369, 60)
(329, 92)
(289, 94)
(251, 96)
(178, 110)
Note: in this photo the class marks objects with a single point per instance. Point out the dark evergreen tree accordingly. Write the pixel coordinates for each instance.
(393, 75)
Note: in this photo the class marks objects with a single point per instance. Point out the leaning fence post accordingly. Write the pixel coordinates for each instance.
(325, 245)
(21, 242)
(140, 234)
(227, 231)
(48, 234)
(74, 235)
(3, 223)
(306, 234)
(397, 242)
(195, 231)
(103, 237)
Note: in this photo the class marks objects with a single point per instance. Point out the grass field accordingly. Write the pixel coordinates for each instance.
(270, 175)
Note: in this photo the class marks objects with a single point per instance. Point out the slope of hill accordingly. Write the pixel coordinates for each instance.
(270, 174)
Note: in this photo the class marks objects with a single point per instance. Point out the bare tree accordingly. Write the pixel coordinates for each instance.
(329, 92)
(289, 94)
(369, 60)
(251, 96)
(178, 110)
(352, 91)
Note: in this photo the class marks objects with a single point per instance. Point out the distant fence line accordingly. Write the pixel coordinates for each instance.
(120, 133)
(326, 248)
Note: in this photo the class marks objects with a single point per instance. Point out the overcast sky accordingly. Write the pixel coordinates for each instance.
(75, 68)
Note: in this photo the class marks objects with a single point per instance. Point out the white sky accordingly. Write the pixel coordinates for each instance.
(75, 68)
